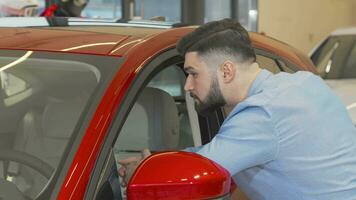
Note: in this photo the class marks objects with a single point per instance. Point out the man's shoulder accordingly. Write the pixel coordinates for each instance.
(278, 89)
(252, 104)
(281, 85)
(296, 78)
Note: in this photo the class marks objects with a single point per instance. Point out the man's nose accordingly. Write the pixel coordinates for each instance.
(188, 86)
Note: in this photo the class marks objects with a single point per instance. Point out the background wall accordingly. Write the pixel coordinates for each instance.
(303, 23)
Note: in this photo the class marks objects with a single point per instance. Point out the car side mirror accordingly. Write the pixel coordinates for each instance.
(178, 175)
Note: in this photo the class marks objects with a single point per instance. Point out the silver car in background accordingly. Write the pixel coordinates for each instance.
(335, 59)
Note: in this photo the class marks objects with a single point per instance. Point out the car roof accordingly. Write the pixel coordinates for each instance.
(76, 35)
(344, 31)
(108, 37)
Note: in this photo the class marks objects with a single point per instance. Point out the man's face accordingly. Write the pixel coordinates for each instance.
(202, 83)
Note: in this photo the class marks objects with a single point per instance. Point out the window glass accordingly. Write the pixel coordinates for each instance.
(170, 80)
(216, 10)
(244, 10)
(102, 9)
(335, 58)
(42, 98)
(45, 116)
(14, 88)
(326, 61)
(21, 8)
(11, 84)
(267, 63)
(247, 11)
(158, 119)
(323, 50)
(350, 67)
(170, 10)
(158, 107)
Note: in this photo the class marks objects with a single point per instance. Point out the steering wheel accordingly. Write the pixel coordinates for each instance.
(8, 189)
(24, 158)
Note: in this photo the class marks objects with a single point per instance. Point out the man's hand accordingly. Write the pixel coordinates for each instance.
(129, 165)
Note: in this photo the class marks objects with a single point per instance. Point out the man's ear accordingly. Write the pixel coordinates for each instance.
(227, 71)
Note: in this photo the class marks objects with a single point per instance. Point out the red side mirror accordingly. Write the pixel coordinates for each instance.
(178, 175)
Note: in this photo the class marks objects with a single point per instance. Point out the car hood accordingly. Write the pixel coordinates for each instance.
(346, 90)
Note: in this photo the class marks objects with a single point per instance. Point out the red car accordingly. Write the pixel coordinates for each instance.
(77, 95)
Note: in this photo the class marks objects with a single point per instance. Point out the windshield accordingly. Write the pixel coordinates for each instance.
(43, 97)
(336, 57)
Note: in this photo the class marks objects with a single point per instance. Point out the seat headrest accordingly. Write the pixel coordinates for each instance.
(60, 117)
(152, 123)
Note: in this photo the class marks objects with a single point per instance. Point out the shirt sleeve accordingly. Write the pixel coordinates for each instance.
(193, 149)
(245, 139)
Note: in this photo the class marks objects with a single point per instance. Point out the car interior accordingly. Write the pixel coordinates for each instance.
(41, 101)
(162, 118)
(161, 110)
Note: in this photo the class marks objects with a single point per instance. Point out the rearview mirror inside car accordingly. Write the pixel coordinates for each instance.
(178, 175)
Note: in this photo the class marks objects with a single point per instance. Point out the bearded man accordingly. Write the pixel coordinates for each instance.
(288, 136)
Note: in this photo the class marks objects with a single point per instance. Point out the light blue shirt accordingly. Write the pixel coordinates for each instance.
(290, 139)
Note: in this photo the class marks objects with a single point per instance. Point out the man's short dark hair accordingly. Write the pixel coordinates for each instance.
(226, 36)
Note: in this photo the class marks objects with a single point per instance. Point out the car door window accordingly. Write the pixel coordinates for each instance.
(171, 80)
(44, 98)
(334, 58)
(159, 119)
(324, 64)
(349, 70)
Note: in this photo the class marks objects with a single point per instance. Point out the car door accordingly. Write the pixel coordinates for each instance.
(156, 114)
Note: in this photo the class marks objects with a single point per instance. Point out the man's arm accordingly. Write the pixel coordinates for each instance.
(246, 139)
(129, 165)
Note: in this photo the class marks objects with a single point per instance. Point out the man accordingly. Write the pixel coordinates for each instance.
(288, 136)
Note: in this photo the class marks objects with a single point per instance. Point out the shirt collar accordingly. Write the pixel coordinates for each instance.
(261, 77)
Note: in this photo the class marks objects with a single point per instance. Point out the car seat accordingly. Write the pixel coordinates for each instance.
(44, 134)
(152, 123)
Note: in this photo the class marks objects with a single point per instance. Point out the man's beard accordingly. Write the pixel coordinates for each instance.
(213, 100)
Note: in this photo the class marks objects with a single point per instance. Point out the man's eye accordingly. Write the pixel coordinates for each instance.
(193, 74)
